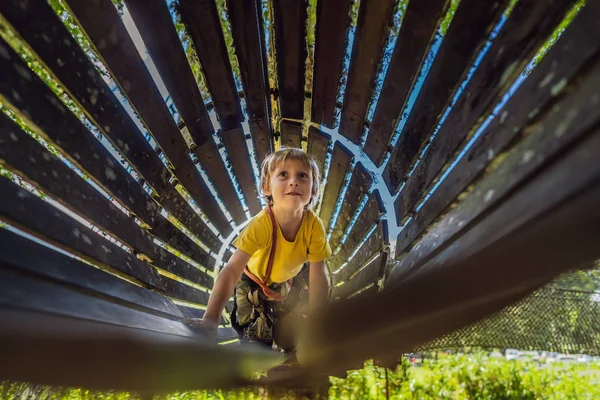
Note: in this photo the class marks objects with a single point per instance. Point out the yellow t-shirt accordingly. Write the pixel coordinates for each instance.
(310, 245)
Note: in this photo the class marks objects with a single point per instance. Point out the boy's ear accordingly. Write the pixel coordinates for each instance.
(265, 188)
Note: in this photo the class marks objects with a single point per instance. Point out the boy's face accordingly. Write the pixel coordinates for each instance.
(290, 185)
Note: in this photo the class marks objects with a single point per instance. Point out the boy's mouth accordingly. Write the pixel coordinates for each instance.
(293, 194)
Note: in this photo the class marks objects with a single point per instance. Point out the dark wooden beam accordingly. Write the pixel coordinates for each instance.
(418, 29)
(290, 48)
(317, 146)
(374, 20)
(468, 31)
(338, 169)
(333, 19)
(536, 93)
(112, 42)
(529, 25)
(262, 137)
(291, 134)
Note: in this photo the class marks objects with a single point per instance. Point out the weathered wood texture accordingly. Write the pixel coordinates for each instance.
(291, 134)
(247, 29)
(147, 361)
(204, 26)
(368, 217)
(39, 218)
(547, 227)
(418, 28)
(25, 255)
(55, 179)
(234, 141)
(333, 19)
(317, 147)
(374, 20)
(468, 31)
(372, 246)
(569, 57)
(358, 189)
(290, 49)
(338, 169)
(528, 27)
(262, 138)
(369, 275)
(112, 42)
(155, 25)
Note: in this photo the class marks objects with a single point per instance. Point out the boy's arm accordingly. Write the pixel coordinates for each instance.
(224, 286)
(318, 284)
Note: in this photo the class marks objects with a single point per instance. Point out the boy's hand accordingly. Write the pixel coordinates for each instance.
(206, 329)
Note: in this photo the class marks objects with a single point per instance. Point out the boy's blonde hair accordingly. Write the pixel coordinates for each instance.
(290, 153)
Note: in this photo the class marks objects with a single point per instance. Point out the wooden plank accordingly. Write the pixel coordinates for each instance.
(374, 20)
(317, 147)
(109, 36)
(333, 19)
(290, 49)
(237, 151)
(202, 21)
(25, 255)
(108, 357)
(547, 227)
(291, 134)
(29, 96)
(418, 29)
(55, 179)
(373, 245)
(154, 22)
(360, 183)
(560, 66)
(468, 31)
(571, 119)
(371, 274)
(338, 168)
(528, 27)
(247, 29)
(262, 138)
(27, 211)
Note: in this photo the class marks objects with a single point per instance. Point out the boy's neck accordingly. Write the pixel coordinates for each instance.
(287, 216)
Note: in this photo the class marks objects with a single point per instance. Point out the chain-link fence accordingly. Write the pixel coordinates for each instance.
(551, 319)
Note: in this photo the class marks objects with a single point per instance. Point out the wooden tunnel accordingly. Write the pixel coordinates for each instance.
(459, 143)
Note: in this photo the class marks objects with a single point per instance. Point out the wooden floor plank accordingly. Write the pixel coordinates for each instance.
(369, 275)
(418, 28)
(338, 169)
(116, 48)
(358, 188)
(262, 137)
(291, 134)
(468, 31)
(561, 66)
(290, 49)
(237, 151)
(374, 20)
(247, 29)
(154, 23)
(333, 19)
(526, 30)
(204, 26)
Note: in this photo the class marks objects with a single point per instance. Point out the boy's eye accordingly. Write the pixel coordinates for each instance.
(283, 174)
(303, 175)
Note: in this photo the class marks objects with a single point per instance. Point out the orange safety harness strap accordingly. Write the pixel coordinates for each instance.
(272, 294)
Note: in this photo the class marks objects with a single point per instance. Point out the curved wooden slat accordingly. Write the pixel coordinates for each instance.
(368, 275)
(291, 134)
(371, 32)
(158, 32)
(50, 175)
(468, 30)
(317, 146)
(535, 93)
(262, 139)
(109, 36)
(416, 32)
(333, 19)
(338, 169)
(358, 188)
(247, 27)
(290, 48)
(527, 28)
